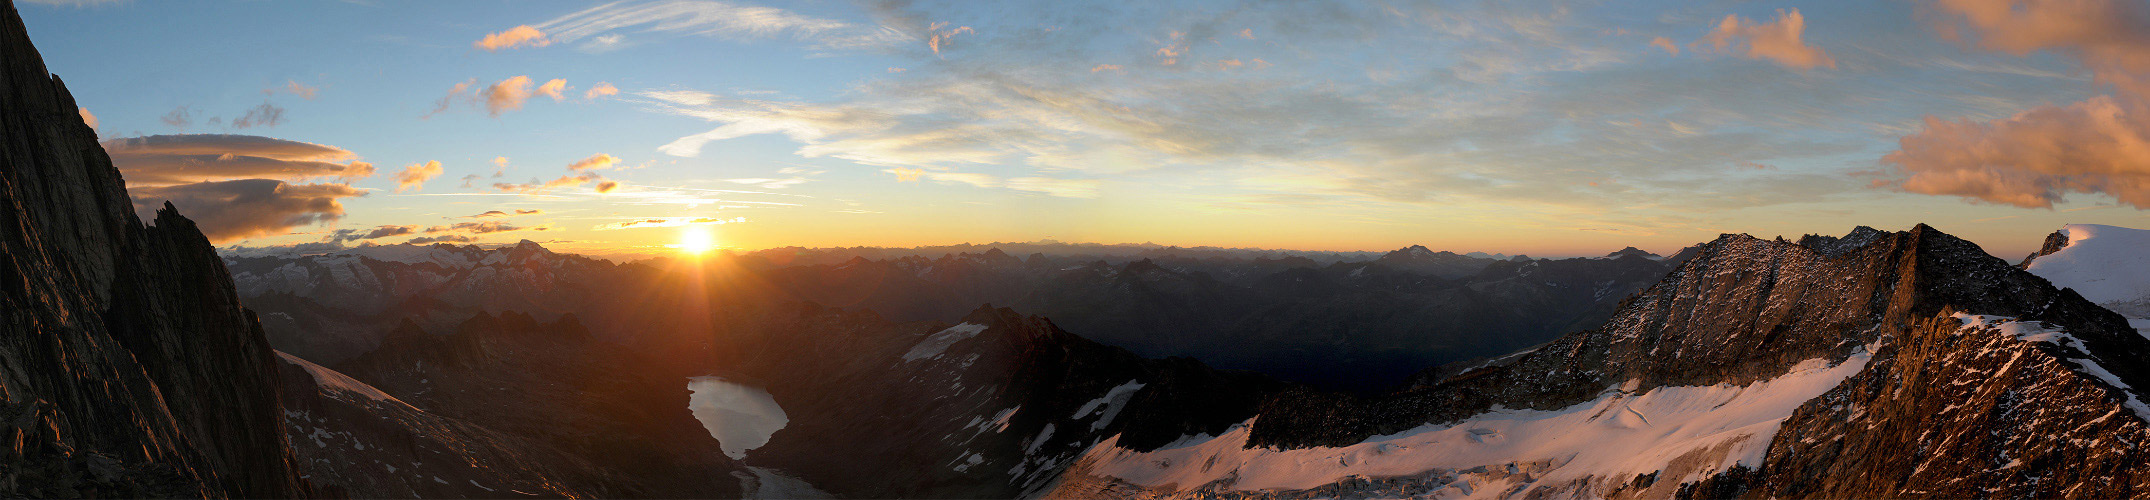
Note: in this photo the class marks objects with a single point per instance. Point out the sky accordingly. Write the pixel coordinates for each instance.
(1543, 127)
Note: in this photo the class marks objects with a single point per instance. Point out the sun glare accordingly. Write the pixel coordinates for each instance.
(696, 240)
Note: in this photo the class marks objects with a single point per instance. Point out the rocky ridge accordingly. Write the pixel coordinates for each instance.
(128, 367)
(1956, 354)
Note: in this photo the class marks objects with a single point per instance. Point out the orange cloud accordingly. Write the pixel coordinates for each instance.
(1778, 40)
(244, 208)
(2032, 159)
(600, 90)
(234, 186)
(415, 175)
(508, 95)
(555, 88)
(163, 160)
(2035, 158)
(87, 118)
(2108, 36)
(907, 174)
(1667, 44)
(598, 161)
(519, 36)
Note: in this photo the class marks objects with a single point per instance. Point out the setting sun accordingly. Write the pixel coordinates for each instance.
(696, 240)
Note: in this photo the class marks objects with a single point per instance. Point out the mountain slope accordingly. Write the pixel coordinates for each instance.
(989, 407)
(127, 367)
(1762, 368)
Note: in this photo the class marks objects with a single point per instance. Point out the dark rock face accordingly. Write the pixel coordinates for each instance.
(127, 367)
(1962, 412)
(507, 403)
(2053, 243)
(355, 441)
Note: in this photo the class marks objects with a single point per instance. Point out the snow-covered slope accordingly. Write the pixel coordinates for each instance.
(2109, 265)
(1685, 433)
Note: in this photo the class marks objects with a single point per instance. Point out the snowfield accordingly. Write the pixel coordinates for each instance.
(1687, 431)
(2109, 265)
(334, 381)
(940, 341)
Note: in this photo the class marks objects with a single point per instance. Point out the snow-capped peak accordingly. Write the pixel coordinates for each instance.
(2109, 265)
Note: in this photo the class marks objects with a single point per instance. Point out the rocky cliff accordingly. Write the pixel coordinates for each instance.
(127, 366)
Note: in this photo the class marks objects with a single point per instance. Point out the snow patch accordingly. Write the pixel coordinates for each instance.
(331, 380)
(1607, 440)
(1108, 405)
(740, 417)
(940, 341)
(1039, 442)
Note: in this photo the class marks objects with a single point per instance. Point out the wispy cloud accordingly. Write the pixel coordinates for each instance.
(651, 222)
(506, 95)
(598, 161)
(714, 19)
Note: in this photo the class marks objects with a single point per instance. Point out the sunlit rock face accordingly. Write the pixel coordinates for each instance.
(740, 417)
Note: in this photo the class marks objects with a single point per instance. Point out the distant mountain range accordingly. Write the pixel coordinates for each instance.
(1360, 325)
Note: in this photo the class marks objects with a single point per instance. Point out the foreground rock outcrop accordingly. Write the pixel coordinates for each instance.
(127, 366)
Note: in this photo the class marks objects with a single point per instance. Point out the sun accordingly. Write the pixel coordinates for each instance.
(696, 240)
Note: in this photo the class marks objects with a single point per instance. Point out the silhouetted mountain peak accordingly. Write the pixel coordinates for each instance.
(1631, 251)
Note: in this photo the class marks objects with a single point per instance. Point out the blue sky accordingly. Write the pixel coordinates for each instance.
(1541, 126)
